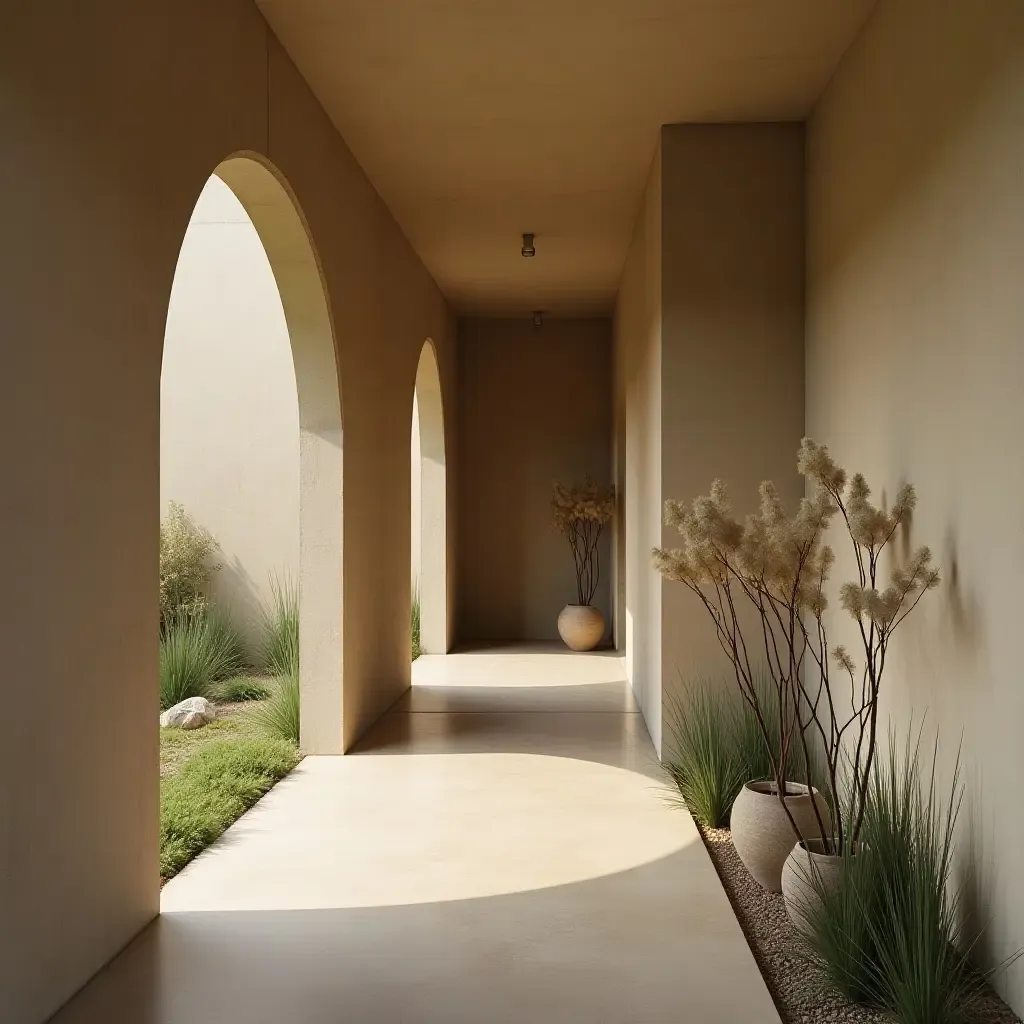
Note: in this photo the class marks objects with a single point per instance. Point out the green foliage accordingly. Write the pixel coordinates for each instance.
(240, 688)
(278, 715)
(705, 763)
(211, 790)
(717, 746)
(186, 563)
(279, 628)
(890, 934)
(417, 650)
(192, 656)
(229, 639)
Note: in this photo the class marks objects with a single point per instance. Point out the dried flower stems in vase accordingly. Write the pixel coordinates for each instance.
(580, 513)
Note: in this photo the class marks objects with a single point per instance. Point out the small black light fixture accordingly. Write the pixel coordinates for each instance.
(538, 318)
(528, 248)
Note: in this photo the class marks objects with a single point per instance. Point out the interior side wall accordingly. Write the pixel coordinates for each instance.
(915, 371)
(732, 338)
(96, 189)
(535, 407)
(638, 453)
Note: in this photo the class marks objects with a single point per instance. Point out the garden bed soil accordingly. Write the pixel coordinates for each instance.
(801, 992)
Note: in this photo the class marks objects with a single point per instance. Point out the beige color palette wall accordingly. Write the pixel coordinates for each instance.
(229, 413)
(98, 184)
(637, 361)
(710, 338)
(535, 407)
(915, 371)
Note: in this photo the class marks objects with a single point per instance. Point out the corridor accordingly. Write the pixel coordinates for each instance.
(499, 850)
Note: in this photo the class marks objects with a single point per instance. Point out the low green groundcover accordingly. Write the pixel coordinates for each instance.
(213, 788)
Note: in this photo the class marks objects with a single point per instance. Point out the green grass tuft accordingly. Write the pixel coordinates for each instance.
(716, 746)
(417, 650)
(704, 761)
(279, 629)
(192, 656)
(241, 688)
(891, 935)
(278, 715)
(218, 784)
(230, 640)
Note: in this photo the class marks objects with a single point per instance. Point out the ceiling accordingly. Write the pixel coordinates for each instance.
(477, 120)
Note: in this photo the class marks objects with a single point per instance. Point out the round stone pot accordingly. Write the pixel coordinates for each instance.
(808, 872)
(761, 832)
(581, 626)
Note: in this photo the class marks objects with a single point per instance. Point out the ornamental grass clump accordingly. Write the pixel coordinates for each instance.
(889, 932)
(776, 566)
(192, 657)
(279, 628)
(580, 513)
(714, 746)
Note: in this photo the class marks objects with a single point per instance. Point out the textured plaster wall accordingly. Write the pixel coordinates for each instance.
(535, 406)
(709, 342)
(638, 453)
(114, 117)
(915, 371)
(732, 376)
(229, 412)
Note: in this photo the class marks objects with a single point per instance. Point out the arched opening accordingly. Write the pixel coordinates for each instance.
(429, 508)
(251, 394)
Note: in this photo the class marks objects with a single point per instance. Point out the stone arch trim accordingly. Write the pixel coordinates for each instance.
(283, 230)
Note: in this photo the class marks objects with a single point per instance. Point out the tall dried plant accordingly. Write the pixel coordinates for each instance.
(580, 513)
(778, 565)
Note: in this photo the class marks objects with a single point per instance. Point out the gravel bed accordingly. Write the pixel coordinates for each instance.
(801, 993)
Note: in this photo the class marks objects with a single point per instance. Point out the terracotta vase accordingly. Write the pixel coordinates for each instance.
(581, 626)
(762, 833)
(807, 872)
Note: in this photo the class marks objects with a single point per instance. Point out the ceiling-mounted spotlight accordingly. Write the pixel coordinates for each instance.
(528, 248)
(538, 319)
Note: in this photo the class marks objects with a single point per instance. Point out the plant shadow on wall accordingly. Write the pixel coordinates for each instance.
(228, 734)
(820, 818)
(580, 513)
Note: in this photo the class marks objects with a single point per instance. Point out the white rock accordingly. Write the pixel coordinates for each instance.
(191, 713)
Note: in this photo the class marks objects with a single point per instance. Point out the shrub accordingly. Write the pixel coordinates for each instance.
(211, 790)
(278, 715)
(890, 934)
(229, 638)
(417, 650)
(192, 656)
(186, 553)
(279, 629)
(240, 688)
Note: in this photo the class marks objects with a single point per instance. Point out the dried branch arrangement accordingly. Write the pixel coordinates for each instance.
(580, 513)
(778, 566)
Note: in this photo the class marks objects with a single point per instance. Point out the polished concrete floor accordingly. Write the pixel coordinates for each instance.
(499, 850)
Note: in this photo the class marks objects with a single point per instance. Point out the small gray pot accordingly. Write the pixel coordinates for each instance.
(807, 872)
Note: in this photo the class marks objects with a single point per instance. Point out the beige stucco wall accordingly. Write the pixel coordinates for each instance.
(732, 280)
(915, 371)
(229, 412)
(710, 350)
(97, 186)
(535, 407)
(638, 453)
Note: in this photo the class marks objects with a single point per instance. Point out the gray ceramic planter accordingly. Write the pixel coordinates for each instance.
(762, 833)
(808, 871)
